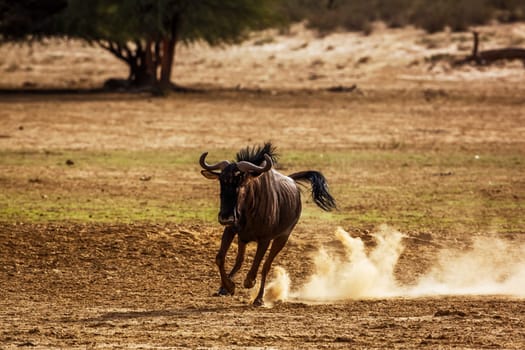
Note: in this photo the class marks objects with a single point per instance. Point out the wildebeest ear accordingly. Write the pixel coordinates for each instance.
(209, 174)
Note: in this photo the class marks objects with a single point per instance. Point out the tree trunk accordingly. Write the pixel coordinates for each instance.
(142, 77)
(168, 54)
(142, 66)
(143, 61)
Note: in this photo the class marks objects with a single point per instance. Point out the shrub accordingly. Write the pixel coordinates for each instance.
(431, 15)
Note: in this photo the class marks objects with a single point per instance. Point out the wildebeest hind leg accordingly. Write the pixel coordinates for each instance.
(227, 285)
(277, 246)
(262, 247)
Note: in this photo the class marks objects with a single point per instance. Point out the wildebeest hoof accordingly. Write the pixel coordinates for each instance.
(248, 283)
(258, 302)
(228, 288)
(222, 292)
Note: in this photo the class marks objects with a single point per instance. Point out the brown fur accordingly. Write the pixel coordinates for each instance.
(266, 208)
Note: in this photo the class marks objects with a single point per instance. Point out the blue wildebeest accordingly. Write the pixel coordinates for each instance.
(258, 204)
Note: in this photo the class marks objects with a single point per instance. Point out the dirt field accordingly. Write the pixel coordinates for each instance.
(115, 248)
(150, 286)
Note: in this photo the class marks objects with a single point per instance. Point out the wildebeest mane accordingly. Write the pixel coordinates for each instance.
(256, 154)
(261, 200)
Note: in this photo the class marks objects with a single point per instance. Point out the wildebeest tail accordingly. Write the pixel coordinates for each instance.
(320, 193)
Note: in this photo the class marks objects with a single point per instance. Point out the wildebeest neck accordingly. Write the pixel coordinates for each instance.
(260, 200)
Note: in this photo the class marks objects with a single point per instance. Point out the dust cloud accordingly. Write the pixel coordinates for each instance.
(279, 287)
(490, 266)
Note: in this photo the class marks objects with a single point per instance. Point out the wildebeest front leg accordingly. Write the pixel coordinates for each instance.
(277, 246)
(241, 249)
(262, 246)
(227, 285)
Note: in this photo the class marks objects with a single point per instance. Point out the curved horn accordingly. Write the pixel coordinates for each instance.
(248, 167)
(219, 165)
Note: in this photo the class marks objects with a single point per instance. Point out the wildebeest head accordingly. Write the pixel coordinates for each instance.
(233, 177)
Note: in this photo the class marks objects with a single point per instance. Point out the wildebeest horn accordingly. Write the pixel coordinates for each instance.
(216, 166)
(248, 167)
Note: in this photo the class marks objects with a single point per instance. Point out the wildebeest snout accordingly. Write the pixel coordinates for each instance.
(226, 219)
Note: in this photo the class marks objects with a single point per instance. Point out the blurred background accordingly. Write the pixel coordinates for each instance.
(166, 44)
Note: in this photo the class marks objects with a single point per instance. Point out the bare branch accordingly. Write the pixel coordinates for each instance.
(115, 49)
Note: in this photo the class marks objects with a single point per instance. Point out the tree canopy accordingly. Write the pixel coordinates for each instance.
(28, 19)
(142, 33)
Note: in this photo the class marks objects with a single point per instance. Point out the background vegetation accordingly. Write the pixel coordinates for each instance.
(144, 33)
(141, 33)
(430, 15)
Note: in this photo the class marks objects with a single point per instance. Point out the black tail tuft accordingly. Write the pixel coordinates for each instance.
(320, 194)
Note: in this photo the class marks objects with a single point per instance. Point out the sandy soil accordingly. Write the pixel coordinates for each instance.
(150, 286)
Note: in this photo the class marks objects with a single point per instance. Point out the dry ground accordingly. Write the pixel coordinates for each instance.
(150, 286)
(440, 151)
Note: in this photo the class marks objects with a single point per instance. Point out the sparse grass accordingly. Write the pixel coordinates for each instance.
(119, 186)
(409, 189)
(417, 190)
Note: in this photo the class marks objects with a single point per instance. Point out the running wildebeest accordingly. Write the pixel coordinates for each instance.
(258, 204)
